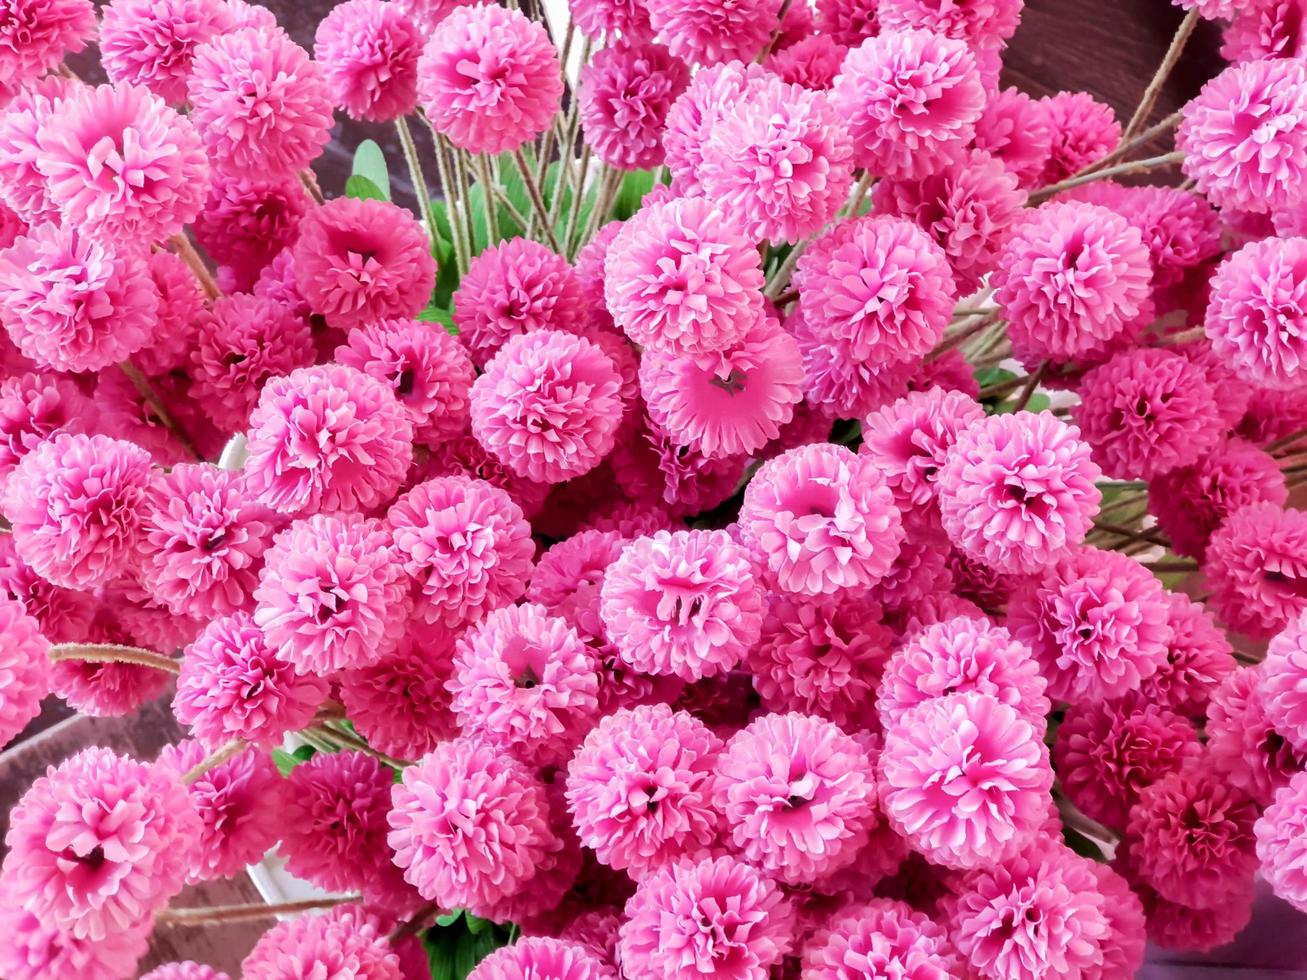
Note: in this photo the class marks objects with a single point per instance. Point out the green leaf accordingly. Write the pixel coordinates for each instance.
(1081, 844)
(449, 918)
(635, 185)
(370, 163)
(985, 377)
(362, 188)
(435, 314)
(286, 761)
(477, 925)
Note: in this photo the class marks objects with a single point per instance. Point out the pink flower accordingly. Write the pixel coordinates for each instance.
(333, 594)
(202, 541)
(526, 682)
(37, 950)
(240, 804)
(429, 371)
(513, 288)
(680, 279)
(965, 778)
(624, 18)
(1282, 842)
(778, 160)
(726, 403)
(710, 32)
(426, 14)
(104, 690)
(883, 937)
(1244, 745)
(911, 99)
(466, 544)
(76, 504)
(178, 317)
(248, 220)
(547, 405)
(1083, 129)
(542, 957)
(1015, 129)
(359, 261)
(693, 116)
(235, 684)
(1256, 565)
(849, 22)
(960, 655)
(346, 942)
(1018, 491)
(821, 519)
(247, 340)
(489, 79)
(35, 407)
(1197, 659)
(798, 796)
(1107, 752)
(981, 23)
(1262, 29)
(99, 844)
(1036, 915)
(24, 669)
(1284, 683)
(1147, 412)
(822, 658)
(491, 851)
(1254, 318)
(328, 437)
(22, 186)
(262, 106)
(73, 304)
(401, 705)
(152, 42)
(333, 820)
(712, 918)
(1097, 622)
(1191, 837)
(369, 52)
(1072, 279)
(838, 385)
(1180, 927)
(876, 289)
(36, 34)
(186, 970)
(464, 456)
(1244, 137)
(640, 788)
(812, 62)
(910, 440)
(625, 93)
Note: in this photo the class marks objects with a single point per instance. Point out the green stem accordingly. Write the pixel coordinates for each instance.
(415, 172)
(537, 201)
(113, 653)
(216, 758)
(1135, 166)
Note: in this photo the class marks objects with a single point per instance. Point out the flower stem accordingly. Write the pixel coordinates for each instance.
(1284, 443)
(416, 922)
(1032, 383)
(186, 252)
(216, 758)
(578, 197)
(310, 182)
(537, 201)
(490, 194)
(775, 34)
(450, 191)
(220, 914)
(113, 653)
(1135, 166)
(1126, 147)
(1154, 88)
(344, 739)
(415, 172)
(152, 398)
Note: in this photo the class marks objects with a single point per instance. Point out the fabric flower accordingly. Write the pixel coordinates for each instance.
(99, 844)
(1244, 745)
(798, 796)
(24, 669)
(1284, 683)
(1281, 835)
(885, 937)
(1083, 130)
(543, 957)
(248, 220)
(489, 78)
(1015, 129)
(369, 53)
(345, 942)
(1256, 565)
(328, 437)
(710, 32)
(812, 62)
(36, 34)
(1198, 658)
(400, 704)
(965, 778)
(547, 405)
(693, 117)
(152, 42)
(37, 950)
(262, 106)
(34, 407)
(625, 92)
(186, 970)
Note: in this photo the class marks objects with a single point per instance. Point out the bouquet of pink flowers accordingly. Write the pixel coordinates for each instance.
(785, 510)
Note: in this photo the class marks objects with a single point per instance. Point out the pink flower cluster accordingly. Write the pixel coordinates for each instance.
(818, 526)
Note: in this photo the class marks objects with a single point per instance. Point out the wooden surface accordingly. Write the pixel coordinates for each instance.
(1109, 48)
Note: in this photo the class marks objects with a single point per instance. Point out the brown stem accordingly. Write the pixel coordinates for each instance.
(220, 914)
(1285, 442)
(1171, 566)
(1130, 535)
(1126, 147)
(537, 201)
(152, 398)
(416, 923)
(1145, 107)
(113, 653)
(186, 252)
(1135, 166)
(216, 758)
(775, 34)
(310, 181)
(348, 740)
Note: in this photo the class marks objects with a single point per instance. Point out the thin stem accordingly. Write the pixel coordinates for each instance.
(416, 922)
(450, 192)
(415, 172)
(114, 653)
(152, 398)
(1284, 443)
(1135, 166)
(220, 914)
(1032, 383)
(1171, 566)
(186, 252)
(963, 334)
(775, 34)
(537, 201)
(348, 740)
(490, 192)
(1129, 534)
(859, 194)
(782, 277)
(578, 197)
(216, 758)
(465, 200)
(310, 182)
(609, 185)
(1080, 823)
(1145, 107)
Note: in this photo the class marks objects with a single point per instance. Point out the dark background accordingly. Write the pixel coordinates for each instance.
(1109, 48)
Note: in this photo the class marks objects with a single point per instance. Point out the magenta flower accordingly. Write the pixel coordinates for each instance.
(369, 52)
(594, 18)
(1084, 130)
(489, 79)
(812, 62)
(401, 705)
(982, 23)
(35, 407)
(1198, 658)
(850, 22)
(547, 405)
(640, 788)
(104, 690)
(344, 942)
(179, 316)
(36, 34)
(73, 304)
(333, 594)
(693, 117)
(710, 32)
(798, 796)
(1282, 842)
(1018, 491)
(152, 42)
(965, 778)
(328, 437)
(23, 187)
(248, 220)
(235, 684)
(240, 804)
(911, 99)
(99, 844)
(1284, 683)
(37, 950)
(712, 918)
(1244, 745)
(542, 957)
(491, 851)
(24, 669)
(429, 371)
(683, 603)
(1254, 317)
(888, 937)
(1177, 926)
(625, 92)
(1015, 129)
(1244, 137)
(1256, 565)
(513, 288)
(680, 279)
(840, 386)
(185, 970)
(778, 160)
(262, 106)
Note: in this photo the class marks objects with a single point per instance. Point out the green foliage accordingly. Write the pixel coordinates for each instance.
(286, 761)
(361, 188)
(435, 314)
(459, 941)
(1081, 844)
(370, 164)
(635, 185)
